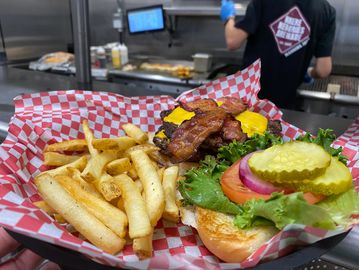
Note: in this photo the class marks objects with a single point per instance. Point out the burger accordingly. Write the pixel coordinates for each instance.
(248, 183)
(192, 130)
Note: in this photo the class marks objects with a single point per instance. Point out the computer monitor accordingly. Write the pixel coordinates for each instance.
(145, 19)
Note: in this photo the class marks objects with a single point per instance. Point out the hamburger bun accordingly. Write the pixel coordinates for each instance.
(225, 240)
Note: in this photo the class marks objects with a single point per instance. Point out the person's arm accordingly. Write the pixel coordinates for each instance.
(21, 259)
(323, 50)
(238, 31)
(234, 36)
(322, 68)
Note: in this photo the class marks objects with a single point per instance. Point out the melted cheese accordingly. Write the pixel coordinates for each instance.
(161, 134)
(219, 103)
(178, 115)
(252, 123)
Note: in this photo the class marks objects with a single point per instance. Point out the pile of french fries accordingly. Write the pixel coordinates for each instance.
(111, 190)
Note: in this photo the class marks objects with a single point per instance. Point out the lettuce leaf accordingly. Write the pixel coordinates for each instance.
(202, 187)
(235, 150)
(341, 207)
(282, 210)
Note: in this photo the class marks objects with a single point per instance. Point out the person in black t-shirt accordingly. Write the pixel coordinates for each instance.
(285, 35)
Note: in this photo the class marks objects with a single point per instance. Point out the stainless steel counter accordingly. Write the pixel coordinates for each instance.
(14, 82)
(159, 78)
(311, 122)
(336, 95)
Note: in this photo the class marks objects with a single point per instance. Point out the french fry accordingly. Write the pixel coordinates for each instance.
(135, 133)
(114, 202)
(139, 185)
(151, 135)
(71, 145)
(154, 164)
(154, 195)
(119, 144)
(76, 176)
(45, 207)
(132, 173)
(60, 219)
(96, 165)
(121, 204)
(108, 214)
(160, 173)
(143, 247)
(77, 215)
(78, 164)
(147, 148)
(89, 137)
(93, 191)
(138, 220)
(118, 166)
(50, 211)
(169, 182)
(57, 159)
(107, 187)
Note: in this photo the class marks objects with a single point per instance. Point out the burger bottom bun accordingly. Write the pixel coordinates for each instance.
(225, 240)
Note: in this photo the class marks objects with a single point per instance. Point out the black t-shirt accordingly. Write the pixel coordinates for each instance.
(286, 34)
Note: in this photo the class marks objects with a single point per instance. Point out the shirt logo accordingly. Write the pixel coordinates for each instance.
(291, 31)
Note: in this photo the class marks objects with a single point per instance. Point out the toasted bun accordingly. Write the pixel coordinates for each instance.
(225, 240)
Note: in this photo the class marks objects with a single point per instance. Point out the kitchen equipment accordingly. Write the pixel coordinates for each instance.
(146, 19)
(202, 62)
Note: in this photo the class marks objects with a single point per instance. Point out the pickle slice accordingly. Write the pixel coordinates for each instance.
(290, 161)
(335, 180)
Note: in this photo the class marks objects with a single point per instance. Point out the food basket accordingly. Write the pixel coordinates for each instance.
(48, 117)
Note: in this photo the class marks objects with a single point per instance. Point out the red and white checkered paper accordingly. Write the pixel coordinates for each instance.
(48, 117)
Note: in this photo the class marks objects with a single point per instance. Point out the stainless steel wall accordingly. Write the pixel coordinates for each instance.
(32, 28)
(346, 48)
(192, 33)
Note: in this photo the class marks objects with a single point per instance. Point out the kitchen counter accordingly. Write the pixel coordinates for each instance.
(197, 80)
(14, 82)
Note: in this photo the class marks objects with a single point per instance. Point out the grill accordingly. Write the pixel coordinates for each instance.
(348, 85)
(314, 98)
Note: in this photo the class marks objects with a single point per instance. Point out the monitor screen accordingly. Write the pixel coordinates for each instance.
(145, 19)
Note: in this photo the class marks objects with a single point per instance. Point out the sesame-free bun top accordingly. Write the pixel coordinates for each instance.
(226, 241)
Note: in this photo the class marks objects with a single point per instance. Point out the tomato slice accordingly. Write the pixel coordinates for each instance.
(313, 198)
(234, 189)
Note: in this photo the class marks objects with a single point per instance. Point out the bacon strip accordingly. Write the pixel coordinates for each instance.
(232, 105)
(203, 105)
(275, 127)
(232, 130)
(190, 134)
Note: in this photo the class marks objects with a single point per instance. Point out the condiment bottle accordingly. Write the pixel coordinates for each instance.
(94, 62)
(124, 54)
(116, 57)
(101, 57)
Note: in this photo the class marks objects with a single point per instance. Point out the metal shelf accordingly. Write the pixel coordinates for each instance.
(202, 11)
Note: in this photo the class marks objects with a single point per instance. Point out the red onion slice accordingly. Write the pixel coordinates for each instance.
(253, 182)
